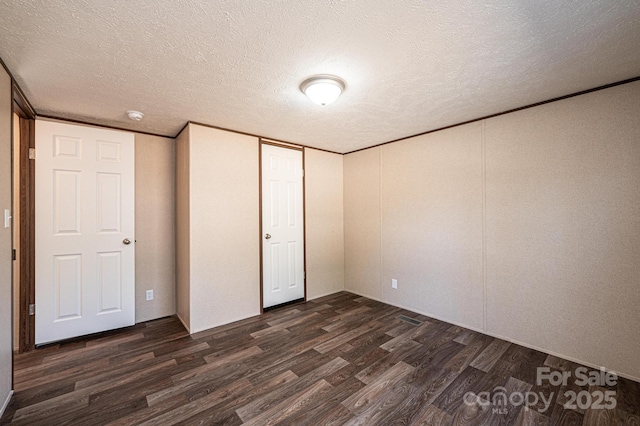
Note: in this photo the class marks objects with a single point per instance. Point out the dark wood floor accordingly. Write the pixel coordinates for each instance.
(342, 359)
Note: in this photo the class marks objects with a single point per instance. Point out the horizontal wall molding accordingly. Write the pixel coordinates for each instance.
(281, 144)
(560, 98)
(105, 126)
(265, 138)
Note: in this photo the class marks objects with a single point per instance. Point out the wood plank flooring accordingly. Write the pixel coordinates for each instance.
(341, 359)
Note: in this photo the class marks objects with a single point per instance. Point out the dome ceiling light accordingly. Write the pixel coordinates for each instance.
(322, 89)
(135, 115)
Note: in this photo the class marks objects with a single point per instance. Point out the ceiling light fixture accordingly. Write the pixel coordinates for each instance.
(322, 89)
(135, 115)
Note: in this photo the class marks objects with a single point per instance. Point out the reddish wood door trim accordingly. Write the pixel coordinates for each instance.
(27, 236)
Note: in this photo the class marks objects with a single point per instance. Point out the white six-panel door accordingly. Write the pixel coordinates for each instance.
(85, 277)
(282, 225)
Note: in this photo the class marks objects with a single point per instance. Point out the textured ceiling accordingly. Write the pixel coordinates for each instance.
(410, 66)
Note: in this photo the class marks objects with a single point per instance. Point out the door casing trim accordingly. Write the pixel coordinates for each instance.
(26, 197)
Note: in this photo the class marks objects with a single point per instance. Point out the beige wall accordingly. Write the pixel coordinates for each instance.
(563, 227)
(5, 239)
(182, 228)
(362, 251)
(431, 215)
(155, 226)
(555, 262)
(224, 227)
(218, 216)
(324, 223)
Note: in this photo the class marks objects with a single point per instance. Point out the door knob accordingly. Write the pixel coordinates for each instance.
(267, 236)
(126, 241)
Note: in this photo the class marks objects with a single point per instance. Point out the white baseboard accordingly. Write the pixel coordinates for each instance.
(6, 403)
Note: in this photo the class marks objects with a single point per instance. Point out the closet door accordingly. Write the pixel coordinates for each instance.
(282, 225)
(85, 256)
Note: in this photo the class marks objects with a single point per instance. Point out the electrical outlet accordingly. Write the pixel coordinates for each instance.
(149, 294)
(394, 283)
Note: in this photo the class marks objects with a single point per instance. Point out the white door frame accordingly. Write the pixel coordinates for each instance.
(304, 214)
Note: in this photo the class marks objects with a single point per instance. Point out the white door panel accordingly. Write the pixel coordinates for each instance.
(282, 225)
(84, 212)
